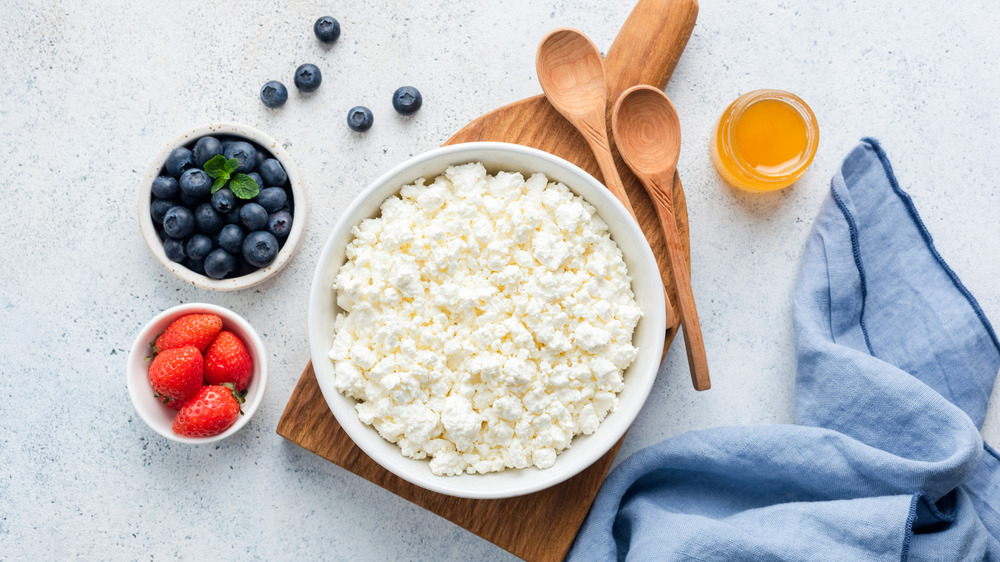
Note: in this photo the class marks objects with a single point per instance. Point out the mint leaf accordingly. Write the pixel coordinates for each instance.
(219, 183)
(243, 186)
(216, 167)
(231, 165)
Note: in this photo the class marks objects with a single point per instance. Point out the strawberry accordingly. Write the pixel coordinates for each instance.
(210, 412)
(227, 360)
(176, 375)
(193, 329)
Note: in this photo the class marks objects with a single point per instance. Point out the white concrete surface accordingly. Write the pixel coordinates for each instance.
(91, 91)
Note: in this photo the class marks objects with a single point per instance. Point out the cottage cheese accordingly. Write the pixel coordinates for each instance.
(487, 321)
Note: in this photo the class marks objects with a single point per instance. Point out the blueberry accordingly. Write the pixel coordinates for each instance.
(308, 78)
(253, 216)
(191, 202)
(178, 160)
(327, 29)
(178, 222)
(158, 209)
(360, 119)
(224, 201)
(165, 187)
(272, 172)
(272, 199)
(209, 222)
(205, 149)
(197, 266)
(195, 183)
(274, 94)
(220, 263)
(279, 223)
(198, 246)
(233, 217)
(259, 248)
(407, 100)
(174, 249)
(257, 179)
(231, 238)
(243, 152)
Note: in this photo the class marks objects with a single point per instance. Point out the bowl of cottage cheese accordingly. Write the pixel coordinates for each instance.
(486, 320)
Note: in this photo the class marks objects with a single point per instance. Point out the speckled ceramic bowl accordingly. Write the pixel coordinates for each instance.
(159, 417)
(301, 208)
(648, 336)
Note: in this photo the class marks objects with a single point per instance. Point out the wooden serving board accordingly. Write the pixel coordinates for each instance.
(539, 526)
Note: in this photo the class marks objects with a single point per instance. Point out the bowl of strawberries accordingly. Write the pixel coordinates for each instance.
(197, 373)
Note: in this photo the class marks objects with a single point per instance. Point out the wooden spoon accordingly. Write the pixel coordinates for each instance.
(571, 71)
(648, 135)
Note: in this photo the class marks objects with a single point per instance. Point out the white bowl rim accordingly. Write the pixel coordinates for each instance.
(137, 380)
(293, 241)
(367, 438)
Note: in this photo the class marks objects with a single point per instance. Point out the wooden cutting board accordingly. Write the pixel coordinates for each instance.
(539, 526)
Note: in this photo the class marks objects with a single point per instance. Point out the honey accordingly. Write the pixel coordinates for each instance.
(765, 140)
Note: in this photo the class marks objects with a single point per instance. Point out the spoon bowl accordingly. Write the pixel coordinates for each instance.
(573, 77)
(647, 131)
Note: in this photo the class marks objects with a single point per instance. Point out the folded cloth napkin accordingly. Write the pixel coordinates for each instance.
(896, 363)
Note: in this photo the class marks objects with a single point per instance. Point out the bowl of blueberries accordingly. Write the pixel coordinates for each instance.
(222, 207)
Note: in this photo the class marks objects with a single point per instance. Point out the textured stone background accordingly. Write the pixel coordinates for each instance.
(91, 92)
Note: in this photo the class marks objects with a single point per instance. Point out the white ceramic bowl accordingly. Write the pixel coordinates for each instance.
(648, 337)
(301, 208)
(159, 417)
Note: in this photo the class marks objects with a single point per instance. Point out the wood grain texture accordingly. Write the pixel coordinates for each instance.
(539, 526)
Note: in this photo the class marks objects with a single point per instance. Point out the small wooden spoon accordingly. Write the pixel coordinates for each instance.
(571, 71)
(648, 135)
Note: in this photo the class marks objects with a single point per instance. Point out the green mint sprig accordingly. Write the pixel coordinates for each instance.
(221, 170)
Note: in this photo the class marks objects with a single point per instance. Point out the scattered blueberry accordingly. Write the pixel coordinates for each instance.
(279, 223)
(174, 249)
(209, 222)
(195, 183)
(224, 201)
(220, 263)
(272, 172)
(274, 94)
(260, 248)
(360, 119)
(198, 247)
(327, 29)
(257, 179)
(253, 216)
(197, 266)
(243, 152)
(231, 238)
(158, 209)
(178, 222)
(205, 149)
(165, 187)
(308, 78)
(272, 199)
(407, 100)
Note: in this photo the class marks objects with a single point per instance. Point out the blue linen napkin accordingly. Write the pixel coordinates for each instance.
(896, 363)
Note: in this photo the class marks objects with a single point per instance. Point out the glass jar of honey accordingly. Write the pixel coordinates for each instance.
(765, 140)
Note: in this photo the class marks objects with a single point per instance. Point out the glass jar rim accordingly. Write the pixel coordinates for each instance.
(736, 110)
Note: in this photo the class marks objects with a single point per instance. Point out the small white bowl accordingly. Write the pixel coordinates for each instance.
(648, 336)
(300, 215)
(159, 417)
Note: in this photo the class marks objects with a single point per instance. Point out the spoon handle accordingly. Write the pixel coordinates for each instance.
(602, 153)
(659, 190)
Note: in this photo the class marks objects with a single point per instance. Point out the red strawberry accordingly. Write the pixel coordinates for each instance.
(176, 375)
(210, 412)
(227, 360)
(193, 329)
